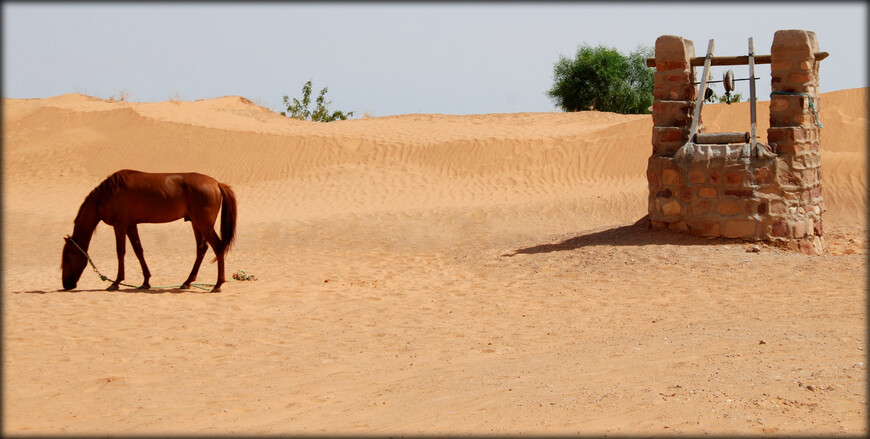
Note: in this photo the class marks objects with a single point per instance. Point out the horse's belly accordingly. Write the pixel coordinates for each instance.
(160, 219)
(141, 211)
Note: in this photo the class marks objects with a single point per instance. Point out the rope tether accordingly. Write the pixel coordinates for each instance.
(201, 286)
(812, 107)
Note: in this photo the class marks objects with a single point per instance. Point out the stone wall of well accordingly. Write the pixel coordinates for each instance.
(729, 193)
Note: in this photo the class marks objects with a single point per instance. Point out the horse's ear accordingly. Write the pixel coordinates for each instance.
(66, 238)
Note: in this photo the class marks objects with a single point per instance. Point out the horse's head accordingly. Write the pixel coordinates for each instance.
(72, 264)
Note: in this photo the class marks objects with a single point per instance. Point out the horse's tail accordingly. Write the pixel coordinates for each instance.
(228, 217)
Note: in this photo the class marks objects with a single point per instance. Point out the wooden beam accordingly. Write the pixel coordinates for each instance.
(702, 90)
(752, 111)
(733, 60)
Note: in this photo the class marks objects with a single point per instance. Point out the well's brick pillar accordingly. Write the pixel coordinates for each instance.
(795, 136)
(673, 103)
(673, 95)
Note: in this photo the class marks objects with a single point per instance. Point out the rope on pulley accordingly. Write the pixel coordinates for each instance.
(728, 82)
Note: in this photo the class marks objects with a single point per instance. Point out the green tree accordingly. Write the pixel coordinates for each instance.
(715, 97)
(603, 79)
(299, 110)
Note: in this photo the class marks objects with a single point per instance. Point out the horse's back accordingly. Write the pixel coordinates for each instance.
(162, 181)
(138, 196)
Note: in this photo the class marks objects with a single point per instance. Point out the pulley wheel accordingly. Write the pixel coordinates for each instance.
(728, 81)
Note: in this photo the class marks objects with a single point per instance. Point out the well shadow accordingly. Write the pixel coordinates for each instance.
(638, 234)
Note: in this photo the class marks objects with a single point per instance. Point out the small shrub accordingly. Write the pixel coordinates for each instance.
(299, 109)
(121, 97)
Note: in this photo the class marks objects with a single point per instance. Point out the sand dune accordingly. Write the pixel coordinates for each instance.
(422, 273)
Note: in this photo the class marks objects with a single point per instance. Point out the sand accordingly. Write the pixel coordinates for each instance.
(422, 274)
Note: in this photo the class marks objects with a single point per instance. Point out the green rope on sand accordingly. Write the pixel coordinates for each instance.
(241, 275)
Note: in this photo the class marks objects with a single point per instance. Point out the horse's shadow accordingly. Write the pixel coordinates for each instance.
(638, 234)
(123, 291)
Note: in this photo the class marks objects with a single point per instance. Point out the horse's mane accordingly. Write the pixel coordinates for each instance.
(106, 189)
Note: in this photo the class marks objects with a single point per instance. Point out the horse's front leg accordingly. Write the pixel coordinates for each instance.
(120, 246)
(133, 234)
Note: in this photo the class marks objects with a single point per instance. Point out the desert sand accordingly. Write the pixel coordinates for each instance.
(422, 274)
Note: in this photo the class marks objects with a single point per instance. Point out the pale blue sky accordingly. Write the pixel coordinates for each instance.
(384, 58)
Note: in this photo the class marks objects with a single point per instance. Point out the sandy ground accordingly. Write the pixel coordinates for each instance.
(422, 274)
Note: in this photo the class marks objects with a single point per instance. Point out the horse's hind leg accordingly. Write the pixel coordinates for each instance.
(217, 245)
(133, 234)
(201, 247)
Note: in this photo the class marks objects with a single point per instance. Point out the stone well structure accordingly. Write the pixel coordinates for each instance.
(748, 190)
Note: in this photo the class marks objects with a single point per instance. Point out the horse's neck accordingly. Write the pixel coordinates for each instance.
(86, 222)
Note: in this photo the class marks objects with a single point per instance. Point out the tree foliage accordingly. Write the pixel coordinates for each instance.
(603, 79)
(723, 99)
(299, 109)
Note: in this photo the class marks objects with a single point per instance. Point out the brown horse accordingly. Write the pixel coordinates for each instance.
(127, 198)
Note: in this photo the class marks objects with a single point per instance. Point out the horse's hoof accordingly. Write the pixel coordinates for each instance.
(215, 290)
(185, 286)
(145, 287)
(112, 288)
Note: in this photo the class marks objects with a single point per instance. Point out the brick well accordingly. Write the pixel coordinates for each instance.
(731, 190)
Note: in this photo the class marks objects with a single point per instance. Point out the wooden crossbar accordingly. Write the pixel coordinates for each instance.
(733, 60)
